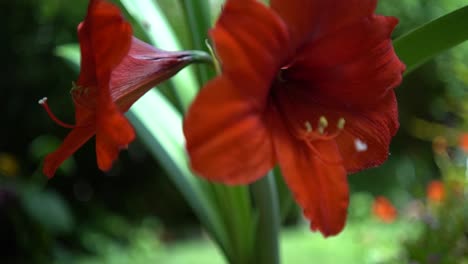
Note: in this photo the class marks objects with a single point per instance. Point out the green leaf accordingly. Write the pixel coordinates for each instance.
(422, 44)
(47, 208)
(163, 137)
(198, 17)
(153, 21)
(71, 52)
(268, 225)
(233, 203)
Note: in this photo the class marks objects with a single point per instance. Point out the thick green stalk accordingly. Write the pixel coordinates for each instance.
(268, 224)
(236, 210)
(233, 203)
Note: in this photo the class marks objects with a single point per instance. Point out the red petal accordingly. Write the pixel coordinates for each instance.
(87, 76)
(351, 68)
(375, 127)
(105, 39)
(113, 133)
(319, 186)
(252, 43)
(111, 35)
(313, 19)
(75, 139)
(226, 138)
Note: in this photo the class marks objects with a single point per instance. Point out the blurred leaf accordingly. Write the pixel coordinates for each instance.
(420, 45)
(265, 195)
(70, 51)
(47, 208)
(165, 140)
(198, 16)
(43, 145)
(214, 204)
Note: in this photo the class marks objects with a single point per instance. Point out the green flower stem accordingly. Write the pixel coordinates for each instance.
(236, 211)
(268, 224)
(198, 17)
(199, 56)
(160, 33)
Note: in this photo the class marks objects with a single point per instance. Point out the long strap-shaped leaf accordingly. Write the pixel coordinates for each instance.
(199, 22)
(420, 45)
(234, 203)
(229, 207)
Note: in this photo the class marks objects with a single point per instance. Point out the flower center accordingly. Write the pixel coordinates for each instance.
(282, 77)
(82, 96)
(309, 135)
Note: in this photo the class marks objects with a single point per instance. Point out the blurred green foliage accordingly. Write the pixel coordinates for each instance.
(85, 216)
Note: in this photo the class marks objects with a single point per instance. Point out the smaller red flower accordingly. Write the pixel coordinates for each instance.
(435, 191)
(384, 210)
(116, 70)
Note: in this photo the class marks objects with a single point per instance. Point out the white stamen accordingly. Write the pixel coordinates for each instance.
(42, 101)
(341, 123)
(323, 123)
(360, 145)
(308, 126)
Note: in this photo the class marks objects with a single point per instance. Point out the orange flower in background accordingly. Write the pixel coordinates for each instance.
(384, 210)
(116, 70)
(464, 142)
(292, 76)
(435, 191)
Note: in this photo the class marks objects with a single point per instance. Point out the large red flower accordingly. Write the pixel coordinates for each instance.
(292, 76)
(116, 70)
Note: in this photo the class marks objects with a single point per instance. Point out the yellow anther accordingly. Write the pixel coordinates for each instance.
(341, 123)
(308, 126)
(323, 123)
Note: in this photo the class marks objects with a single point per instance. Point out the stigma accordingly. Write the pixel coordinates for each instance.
(43, 103)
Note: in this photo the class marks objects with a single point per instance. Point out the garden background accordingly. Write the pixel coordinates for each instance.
(135, 214)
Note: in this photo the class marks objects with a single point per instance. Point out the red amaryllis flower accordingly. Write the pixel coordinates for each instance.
(116, 70)
(292, 74)
(384, 210)
(435, 191)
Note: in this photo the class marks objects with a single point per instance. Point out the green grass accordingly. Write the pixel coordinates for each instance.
(362, 242)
